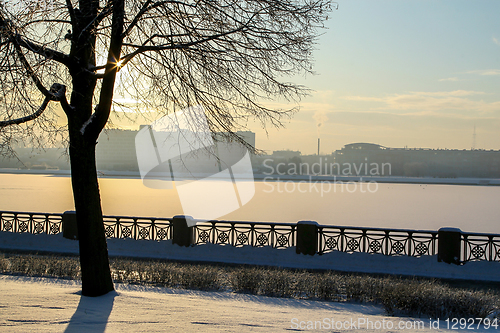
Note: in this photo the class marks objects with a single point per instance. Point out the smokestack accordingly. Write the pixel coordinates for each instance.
(318, 146)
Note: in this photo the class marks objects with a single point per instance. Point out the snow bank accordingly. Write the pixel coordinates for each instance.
(426, 266)
(52, 305)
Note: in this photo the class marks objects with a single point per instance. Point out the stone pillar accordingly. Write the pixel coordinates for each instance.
(449, 245)
(183, 234)
(307, 237)
(69, 227)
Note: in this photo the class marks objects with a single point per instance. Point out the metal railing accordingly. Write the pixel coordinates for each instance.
(35, 223)
(480, 247)
(256, 234)
(390, 242)
(139, 228)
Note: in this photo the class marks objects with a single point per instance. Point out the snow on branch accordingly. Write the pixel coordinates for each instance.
(88, 122)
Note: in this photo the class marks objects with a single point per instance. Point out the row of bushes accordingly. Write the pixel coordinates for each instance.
(419, 297)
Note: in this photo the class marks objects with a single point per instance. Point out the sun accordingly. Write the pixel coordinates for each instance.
(119, 64)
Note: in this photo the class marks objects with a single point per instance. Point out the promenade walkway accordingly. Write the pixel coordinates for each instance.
(53, 305)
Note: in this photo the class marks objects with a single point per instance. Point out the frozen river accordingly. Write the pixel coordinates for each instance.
(412, 206)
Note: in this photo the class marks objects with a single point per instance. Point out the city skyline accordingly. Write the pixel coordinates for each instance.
(399, 74)
(402, 73)
(58, 144)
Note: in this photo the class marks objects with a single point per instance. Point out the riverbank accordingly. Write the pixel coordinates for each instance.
(288, 178)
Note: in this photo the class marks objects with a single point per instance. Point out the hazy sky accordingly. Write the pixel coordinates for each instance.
(401, 73)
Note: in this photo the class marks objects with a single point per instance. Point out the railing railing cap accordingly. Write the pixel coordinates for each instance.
(326, 227)
(308, 222)
(30, 213)
(247, 222)
(187, 217)
(450, 229)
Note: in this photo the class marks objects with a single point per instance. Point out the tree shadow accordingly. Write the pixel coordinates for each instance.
(92, 313)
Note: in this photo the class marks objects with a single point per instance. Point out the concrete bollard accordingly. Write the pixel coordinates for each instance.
(307, 237)
(183, 234)
(69, 226)
(449, 245)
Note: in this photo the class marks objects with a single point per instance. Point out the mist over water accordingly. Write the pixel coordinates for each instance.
(411, 206)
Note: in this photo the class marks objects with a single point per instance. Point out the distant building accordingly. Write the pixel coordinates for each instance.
(38, 159)
(116, 148)
(247, 136)
(420, 162)
(286, 153)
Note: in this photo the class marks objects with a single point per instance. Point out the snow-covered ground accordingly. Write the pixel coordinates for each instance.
(53, 305)
(426, 266)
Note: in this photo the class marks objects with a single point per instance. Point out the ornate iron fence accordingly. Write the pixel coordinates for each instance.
(256, 234)
(138, 228)
(390, 242)
(35, 223)
(480, 247)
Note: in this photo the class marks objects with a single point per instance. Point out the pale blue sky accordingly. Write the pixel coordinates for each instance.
(402, 73)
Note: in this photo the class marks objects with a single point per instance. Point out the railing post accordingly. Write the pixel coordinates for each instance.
(272, 243)
(342, 236)
(364, 239)
(434, 240)
(490, 247)
(320, 236)
(410, 239)
(252, 231)
(213, 232)
(153, 230)
(387, 240)
(233, 231)
(134, 229)
(183, 235)
(307, 237)
(69, 226)
(449, 245)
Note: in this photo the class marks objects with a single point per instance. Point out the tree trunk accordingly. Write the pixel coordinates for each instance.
(94, 262)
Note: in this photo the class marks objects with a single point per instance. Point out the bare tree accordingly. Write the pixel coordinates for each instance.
(228, 55)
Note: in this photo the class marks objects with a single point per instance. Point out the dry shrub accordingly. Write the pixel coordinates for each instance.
(246, 279)
(47, 266)
(277, 283)
(420, 297)
(200, 277)
(433, 299)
